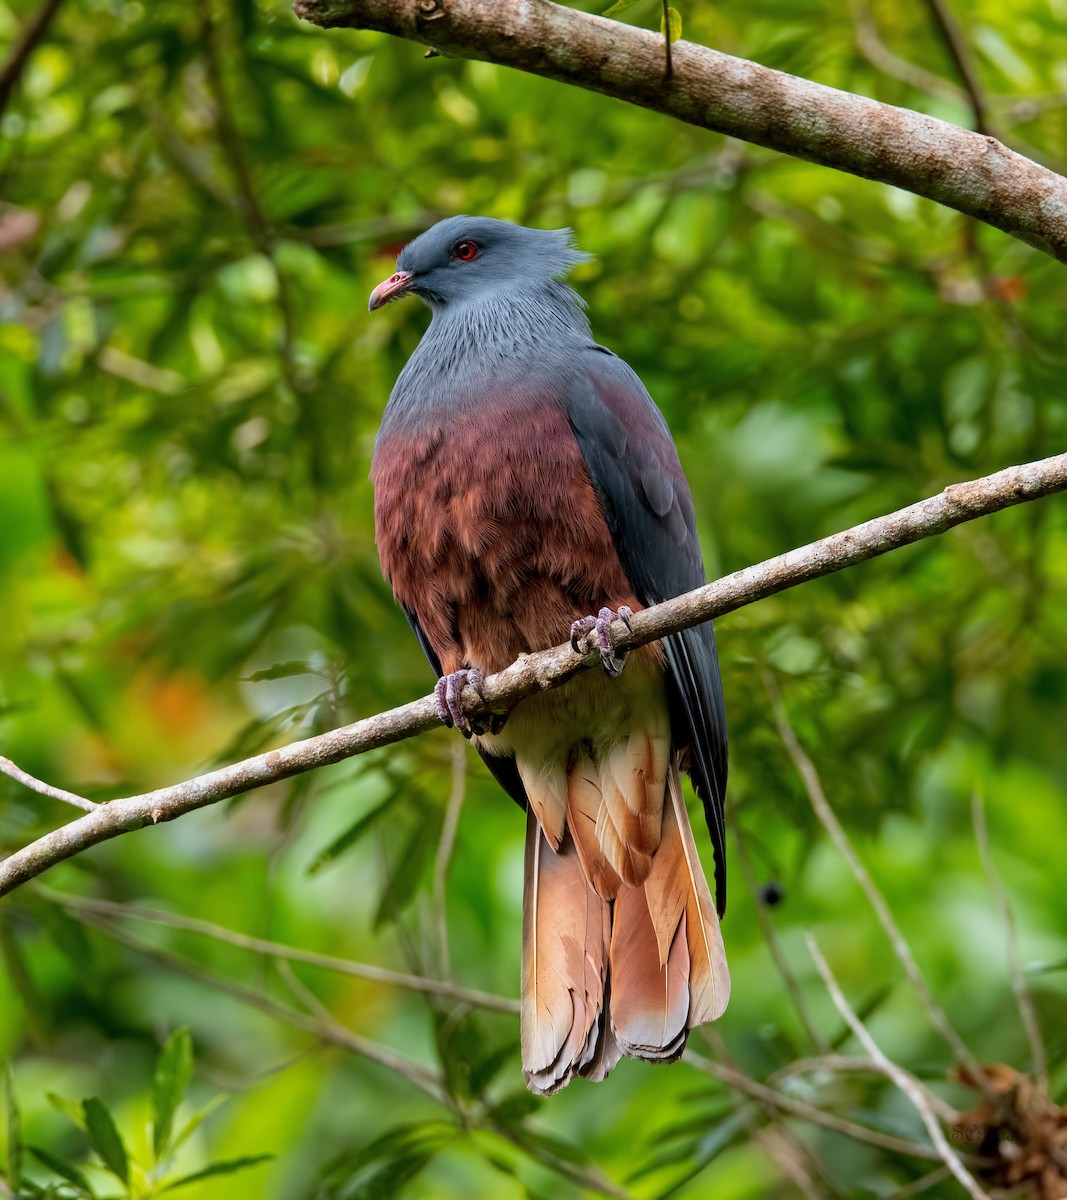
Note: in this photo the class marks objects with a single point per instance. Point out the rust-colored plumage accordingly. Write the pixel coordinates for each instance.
(491, 533)
(524, 479)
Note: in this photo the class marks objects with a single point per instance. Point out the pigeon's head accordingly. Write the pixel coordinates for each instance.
(464, 259)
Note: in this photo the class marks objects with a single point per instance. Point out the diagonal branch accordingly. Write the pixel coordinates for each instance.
(535, 672)
(29, 37)
(906, 1083)
(828, 819)
(967, 171)
(957, 49)
(7, 767)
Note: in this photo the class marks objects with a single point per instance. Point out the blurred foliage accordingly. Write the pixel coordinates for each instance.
(195, 205)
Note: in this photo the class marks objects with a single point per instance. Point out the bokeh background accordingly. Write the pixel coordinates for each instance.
(195, 200)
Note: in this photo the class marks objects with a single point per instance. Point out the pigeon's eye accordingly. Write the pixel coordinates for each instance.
(465, 251)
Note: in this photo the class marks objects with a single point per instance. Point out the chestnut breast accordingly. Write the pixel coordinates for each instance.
(490, 531)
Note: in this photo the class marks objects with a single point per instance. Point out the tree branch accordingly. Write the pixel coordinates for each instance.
(971, 173)
(905, 1082)
(27, 41)
(535, 672)
(958, 52)
(7, 767)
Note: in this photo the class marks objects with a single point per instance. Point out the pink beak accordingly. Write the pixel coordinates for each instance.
(391, 289)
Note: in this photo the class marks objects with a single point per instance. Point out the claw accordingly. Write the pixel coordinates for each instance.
(579, 629)
(611, 662)
(447, 694)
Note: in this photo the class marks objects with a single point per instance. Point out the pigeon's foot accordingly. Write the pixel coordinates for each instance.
(611, 662)
(447, 692)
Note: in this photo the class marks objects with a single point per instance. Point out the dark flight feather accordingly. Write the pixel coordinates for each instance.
(634, 467)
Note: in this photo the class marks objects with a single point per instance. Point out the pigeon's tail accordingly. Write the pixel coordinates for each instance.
(667, 963)
(566, 929)
(613, 968)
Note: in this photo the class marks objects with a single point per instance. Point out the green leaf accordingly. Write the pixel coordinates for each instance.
(195, 1121)
(353, 833)
(620, 6)
(671, 24)
(67, 933)
(381, 1169)
(174, 1069)
(406, 870)
(11, 953)
(63, 1169)
(282, 670)
(12, 1134)
(220, 1168)
(71, 1109)
(105, 1138)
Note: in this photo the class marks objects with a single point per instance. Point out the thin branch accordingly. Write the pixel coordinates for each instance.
(840, 1063)
(878, 54)
(29, 38)
(536, 672)
(1023, 999)
(770, 936)
(964, 170)
(808, 1112)
(961, 58)
(7, 767)
(669, 67)
(905, 1082)
(776, 1124)
(828, 819)
(546, 1157)
(923, 1184)
(278, 950)
(843, 1064)
(260, 229)
(787, 1152)
(334, 1033)
(445, 845)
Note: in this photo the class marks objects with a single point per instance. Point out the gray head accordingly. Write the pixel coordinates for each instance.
(463, 259)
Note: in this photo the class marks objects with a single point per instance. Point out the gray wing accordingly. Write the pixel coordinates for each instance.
(634, 467)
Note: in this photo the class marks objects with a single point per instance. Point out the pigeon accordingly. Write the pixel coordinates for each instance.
(527, 491)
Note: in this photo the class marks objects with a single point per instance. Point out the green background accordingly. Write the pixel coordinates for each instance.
(195, 205)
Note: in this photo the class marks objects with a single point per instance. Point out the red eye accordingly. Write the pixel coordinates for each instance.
(465, 251)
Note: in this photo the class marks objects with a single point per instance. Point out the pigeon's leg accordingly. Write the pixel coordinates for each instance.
(447, 694)
(611, 662)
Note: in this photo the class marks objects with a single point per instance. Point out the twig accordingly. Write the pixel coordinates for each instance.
(828, 819)
(667, 36)
(7, 767)
(592, 1180)
(770, 936)
(445, 845)
(787, 1152)
(961, 58)
(808, 1112)
(878, 54)
(260, 230)
(923, 1184)
(790, 1143)
(421, 1077)
(842, 1063)
(535, 672)
(278, 950)
(1023, 999)
(27, 41)
(964, 170)
(904, 1081)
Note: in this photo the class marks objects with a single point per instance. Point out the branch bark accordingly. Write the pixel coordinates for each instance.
(971, 173)
(549, 668)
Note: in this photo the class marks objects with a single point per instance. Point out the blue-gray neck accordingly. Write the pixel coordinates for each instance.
(482, 344)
